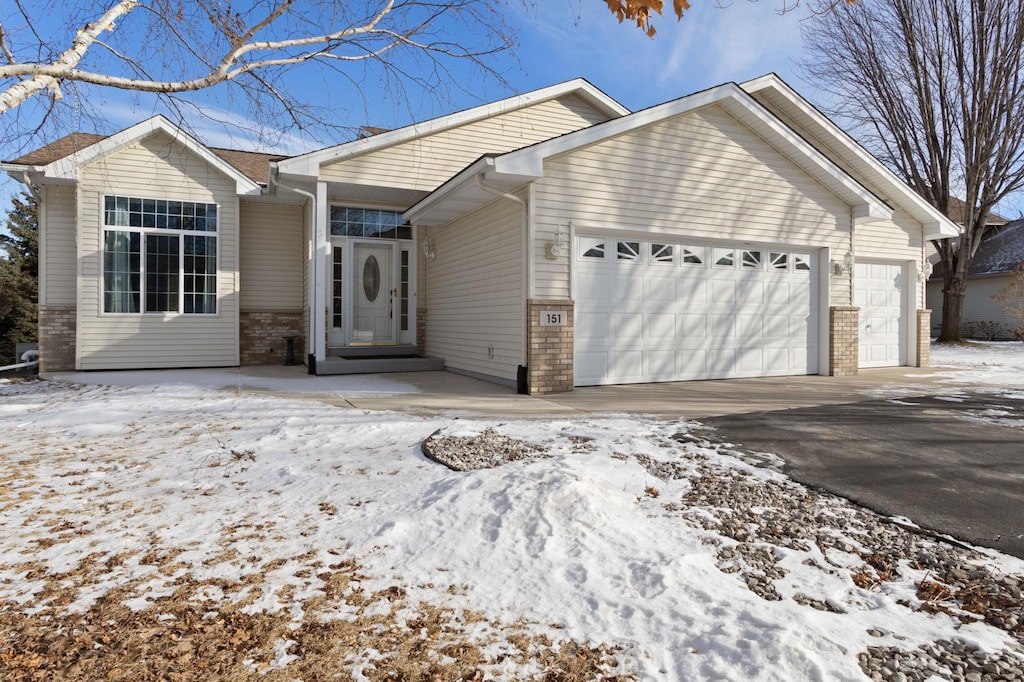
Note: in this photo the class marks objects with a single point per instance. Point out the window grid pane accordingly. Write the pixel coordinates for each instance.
(374, 223)
(160, 214)
(162, 266)
(200, 275)
(336, 299)
(122, 271)
(404, 293)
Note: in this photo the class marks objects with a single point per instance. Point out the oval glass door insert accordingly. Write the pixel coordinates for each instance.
(371, 278)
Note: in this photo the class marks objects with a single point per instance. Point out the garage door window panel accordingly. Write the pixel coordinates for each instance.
(662, 254)
(692, 255)
(724, 258)
(628, 252)
(592, 249)
(751, 260)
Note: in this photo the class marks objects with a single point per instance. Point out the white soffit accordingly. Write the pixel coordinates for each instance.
(935, 224)
(309, 164)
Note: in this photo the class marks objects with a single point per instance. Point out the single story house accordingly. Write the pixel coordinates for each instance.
(549, 240)
(1001, 252)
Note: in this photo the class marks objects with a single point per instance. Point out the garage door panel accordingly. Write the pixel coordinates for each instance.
(660, 326)
(691, 291)
(723, 293)
(660, 363)
(751, 360)
(692, 326)
(627, 326)
(628, 364)
(722, 327)
(590, 327)
(880, 293)
(673, 319)
(750, 326)
(627, 289)
(776, 326)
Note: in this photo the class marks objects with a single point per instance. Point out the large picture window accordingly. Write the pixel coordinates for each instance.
(159, 256)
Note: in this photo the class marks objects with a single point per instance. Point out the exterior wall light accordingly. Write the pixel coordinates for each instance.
(428, 249)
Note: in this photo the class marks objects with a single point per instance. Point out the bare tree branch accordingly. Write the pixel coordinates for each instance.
(170, 48)
(936, 89)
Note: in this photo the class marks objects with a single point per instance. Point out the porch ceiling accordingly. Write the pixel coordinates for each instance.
(374, 194)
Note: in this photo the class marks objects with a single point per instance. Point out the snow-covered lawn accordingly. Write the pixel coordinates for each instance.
(185, 533)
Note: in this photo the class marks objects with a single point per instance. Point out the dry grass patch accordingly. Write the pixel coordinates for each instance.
(207, 630)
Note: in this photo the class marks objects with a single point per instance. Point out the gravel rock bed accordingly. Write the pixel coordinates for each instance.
(485, 450)
(760, 515)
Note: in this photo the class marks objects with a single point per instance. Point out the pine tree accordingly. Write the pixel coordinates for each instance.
(19, 276)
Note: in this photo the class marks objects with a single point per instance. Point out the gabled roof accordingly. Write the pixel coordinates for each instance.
(308, 165)
(957, 212)
(463, 193)
(808, 119)
(62, 159)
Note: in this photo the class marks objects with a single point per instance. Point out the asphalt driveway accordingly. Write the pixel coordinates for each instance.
(955, 466)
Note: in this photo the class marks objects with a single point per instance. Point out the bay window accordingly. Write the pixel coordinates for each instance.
(159, 256)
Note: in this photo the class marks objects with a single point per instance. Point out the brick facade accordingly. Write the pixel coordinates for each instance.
(57, 327)
(843, 355)
(550, 349)
(924, 338)
(260, 341)
(421, 331)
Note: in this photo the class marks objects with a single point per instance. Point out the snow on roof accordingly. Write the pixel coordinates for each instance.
(1001, 251)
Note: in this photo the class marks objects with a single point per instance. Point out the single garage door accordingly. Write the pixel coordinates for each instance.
(880, 293)
(660, 310)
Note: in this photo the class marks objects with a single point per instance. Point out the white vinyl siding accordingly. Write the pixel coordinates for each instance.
(979, 306)
(58, 263)
(474, 292)
(901, 239)
(425, 163)
(157, 168)
(271, 257)
(703, 175)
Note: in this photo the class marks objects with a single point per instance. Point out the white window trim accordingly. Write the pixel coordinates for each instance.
(143, 231)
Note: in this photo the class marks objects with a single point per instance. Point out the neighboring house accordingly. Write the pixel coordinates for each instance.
(1000, 253)
(552, 239)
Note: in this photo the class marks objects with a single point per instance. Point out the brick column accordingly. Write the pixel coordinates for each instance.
(843, 358)
(421, 331)
(260, 341)
(924, 338)
(549, 354)
(57, 326)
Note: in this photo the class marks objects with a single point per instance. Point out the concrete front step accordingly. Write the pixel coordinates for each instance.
(331, 366)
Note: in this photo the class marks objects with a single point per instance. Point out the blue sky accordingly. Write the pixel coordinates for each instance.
(557, 40)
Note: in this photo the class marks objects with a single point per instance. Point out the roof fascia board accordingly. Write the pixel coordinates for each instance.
(309, 164)
(530, 160)
(67, 168)
(939, 224)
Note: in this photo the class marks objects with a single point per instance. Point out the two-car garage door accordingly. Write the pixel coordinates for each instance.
(657, 309)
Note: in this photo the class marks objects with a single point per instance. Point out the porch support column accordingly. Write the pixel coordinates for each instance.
(318, 343)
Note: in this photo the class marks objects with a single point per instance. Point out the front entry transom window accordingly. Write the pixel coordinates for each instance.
(374, 223)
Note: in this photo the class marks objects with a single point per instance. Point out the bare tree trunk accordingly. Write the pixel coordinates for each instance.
(953, 292)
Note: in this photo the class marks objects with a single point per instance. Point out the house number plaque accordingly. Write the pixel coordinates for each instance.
(552, 318)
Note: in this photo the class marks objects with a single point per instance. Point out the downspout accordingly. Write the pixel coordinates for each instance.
(527, 269)
(313, 262)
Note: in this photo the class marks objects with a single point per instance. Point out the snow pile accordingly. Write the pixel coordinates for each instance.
(629, 536)
(991, 364)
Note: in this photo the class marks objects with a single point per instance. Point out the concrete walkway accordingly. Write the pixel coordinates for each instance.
(448, 393)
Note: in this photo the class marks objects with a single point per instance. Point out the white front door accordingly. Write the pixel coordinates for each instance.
(374, 293)
(880, 291)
